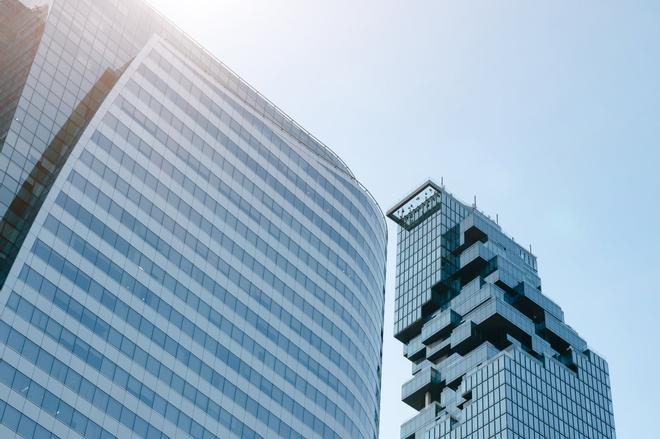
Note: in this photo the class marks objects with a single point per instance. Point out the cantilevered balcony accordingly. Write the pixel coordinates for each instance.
(439, 349)
(560, 335)
(495, 318)
(465, 337)
(421, 419)
(534, 295)
(473, 260)
(414, 349)
(414, 391)
(418, 367)
(439, 326)
(472, 229)
(457, 366)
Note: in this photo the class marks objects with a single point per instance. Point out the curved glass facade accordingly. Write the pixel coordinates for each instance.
(197, 265)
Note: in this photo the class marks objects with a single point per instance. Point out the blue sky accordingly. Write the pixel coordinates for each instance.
(548, 112)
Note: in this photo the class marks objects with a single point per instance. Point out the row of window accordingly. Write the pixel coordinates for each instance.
(555, 407)
(151, 299)
(555, 398)
(159, 337)
(238, 251)
(51, 404)
(201, 277)
(419, 266)
(247, 184)
(534, 410)
(188, 108)
(216, 157)
(123, 157)
(483, 415)
(120, 377)
(272, 113)
(165, 342)
(182, 81)
(146, 265)
(64, 70)
(22, 424)
(485, 406)
(68, 377)
(530, 421)
(494, 429)
(219, 237)
(345, 178)
(582, 386)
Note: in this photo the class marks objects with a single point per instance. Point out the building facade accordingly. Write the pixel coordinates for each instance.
(180, 258)
(491, 355)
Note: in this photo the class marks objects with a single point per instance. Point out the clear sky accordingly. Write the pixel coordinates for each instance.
(547, 111)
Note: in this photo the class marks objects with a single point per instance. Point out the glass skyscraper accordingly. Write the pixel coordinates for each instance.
(491, 355)
(178, 257)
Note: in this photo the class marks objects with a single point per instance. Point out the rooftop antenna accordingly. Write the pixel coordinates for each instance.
(442, 182)
(497, 219)
(474, 205)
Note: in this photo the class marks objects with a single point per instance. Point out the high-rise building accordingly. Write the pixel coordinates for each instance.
(491, 355)
(179, 257)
